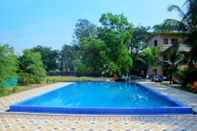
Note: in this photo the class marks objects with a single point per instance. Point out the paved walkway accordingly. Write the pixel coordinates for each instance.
(92, 123)
(183, 96)
(35, 122)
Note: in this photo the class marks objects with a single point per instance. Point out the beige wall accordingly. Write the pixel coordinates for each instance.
(160, 39)
(160, 43)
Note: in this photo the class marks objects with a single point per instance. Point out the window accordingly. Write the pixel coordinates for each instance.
(174, 41)
(165, 41)
(165, 57)
(155, 43)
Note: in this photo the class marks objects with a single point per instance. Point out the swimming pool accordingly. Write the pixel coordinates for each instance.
(102, 98)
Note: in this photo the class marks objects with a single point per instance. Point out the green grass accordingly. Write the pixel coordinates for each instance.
(52, 79)
(20, 88)
(49, 80)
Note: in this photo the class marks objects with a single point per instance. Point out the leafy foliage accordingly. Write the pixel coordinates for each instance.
(170, 25)
(103, 50)
(151, 60)
(116, 32)
(31, 68)
(50, 57)
(189, 18)
(8, 63)
(152, 56)
(141, 35)
(85, 28)
(94, 54)
(138, 43)
(188, 76)
(69, 54)
(173, 58)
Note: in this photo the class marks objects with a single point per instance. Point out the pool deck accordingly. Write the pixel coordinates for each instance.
(45, 122)
(187, 98)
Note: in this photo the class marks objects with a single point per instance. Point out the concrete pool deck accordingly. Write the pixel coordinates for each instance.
(28, 121)
(188, 98)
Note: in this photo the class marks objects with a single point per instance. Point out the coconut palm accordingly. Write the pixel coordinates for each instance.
(170, 25)
(189, 18)
(172, 60)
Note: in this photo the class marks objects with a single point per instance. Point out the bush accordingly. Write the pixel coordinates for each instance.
(11, 82)
(188, 76)
(8, 64)
(31, 68)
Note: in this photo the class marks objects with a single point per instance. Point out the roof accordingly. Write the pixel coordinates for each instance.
(181, 34)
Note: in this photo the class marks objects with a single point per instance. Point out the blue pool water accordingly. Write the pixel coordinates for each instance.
(90, 97)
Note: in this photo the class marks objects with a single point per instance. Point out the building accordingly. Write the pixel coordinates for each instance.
(163, 41)
(166, 39)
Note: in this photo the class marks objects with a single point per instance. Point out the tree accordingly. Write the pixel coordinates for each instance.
(170, 25)
(137, 45)
(8, 63)
(189, 18)
(116, 32)
(50, 57)
(140, 37)
(84, 28)
(151, 57)
(173, 58)
(31, 68)
(69, 54)
(94, 54)
(79, 67)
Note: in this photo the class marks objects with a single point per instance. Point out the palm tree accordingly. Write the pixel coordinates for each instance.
(189, 18)
(172, 60)
(170, 25)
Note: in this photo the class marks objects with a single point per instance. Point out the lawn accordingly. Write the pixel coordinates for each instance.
(52, 79)
(19, 88)
(49, 80)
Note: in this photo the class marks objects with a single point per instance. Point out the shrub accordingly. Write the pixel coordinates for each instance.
(31, 68)
(188, 76)
(8, 64)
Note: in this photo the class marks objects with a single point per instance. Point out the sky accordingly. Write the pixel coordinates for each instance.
(27, 23)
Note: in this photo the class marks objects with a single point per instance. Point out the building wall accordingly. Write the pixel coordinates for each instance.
(163, 46)
(161, 43)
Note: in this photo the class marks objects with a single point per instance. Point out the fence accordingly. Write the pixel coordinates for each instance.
(10, 83)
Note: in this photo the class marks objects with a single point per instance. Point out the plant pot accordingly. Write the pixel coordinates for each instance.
(115, 77)
(194, 87)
